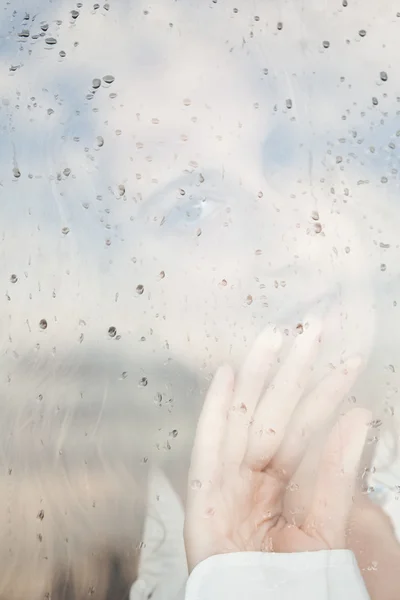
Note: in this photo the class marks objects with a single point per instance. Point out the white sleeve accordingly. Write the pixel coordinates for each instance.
(162, 568)
(325, 575)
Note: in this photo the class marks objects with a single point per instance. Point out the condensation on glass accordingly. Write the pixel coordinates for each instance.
(174, 176)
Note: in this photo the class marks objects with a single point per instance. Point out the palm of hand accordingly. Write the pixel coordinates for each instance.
(242, 460)
(249, 518)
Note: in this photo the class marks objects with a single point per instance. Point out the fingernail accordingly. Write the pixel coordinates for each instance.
(276, 338)
(362, 415)
(312, 332)
(272, 336)
(313, 325)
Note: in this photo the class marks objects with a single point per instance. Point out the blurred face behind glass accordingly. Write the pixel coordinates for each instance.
(212, 187)
(241, 203)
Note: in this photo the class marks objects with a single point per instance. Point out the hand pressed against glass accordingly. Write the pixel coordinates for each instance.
(250, 441)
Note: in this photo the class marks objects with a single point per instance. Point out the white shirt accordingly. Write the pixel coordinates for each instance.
(325, 575)
(162, 568)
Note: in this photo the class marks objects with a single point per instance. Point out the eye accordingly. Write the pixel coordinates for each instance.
(191, 209)
(186, 203)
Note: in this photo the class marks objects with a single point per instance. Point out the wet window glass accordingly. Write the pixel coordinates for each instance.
(175, 176)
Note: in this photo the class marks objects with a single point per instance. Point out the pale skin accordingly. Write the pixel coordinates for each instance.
(252, 435)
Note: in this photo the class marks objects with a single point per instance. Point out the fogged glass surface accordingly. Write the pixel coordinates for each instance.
(174, 176)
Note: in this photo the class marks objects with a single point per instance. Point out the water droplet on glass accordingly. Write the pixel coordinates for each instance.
(373, 440)
(121, 189)
(384, 179)
(375, 423)
(289, 103)
(326, 44)
(299, 328)
(174, 433)
(143, 382)
(375, 101)
(140, 289)
(43, 324)
(50, 41)
(195, 484)
(44, 26)
(292, 487)
(108, 79)
(317, 227)
(362, 33)
(65, 230)
(279, 26)
(96, 83)
(16, 172)
(383, 75)
(315, 215)
(74, 14)
(24, 33)
(13, 278)
(112, 331)
(62, 54)
(243, 409)
(100, 141)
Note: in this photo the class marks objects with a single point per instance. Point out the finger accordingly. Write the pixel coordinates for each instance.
(312, 415)
(337, 479)
(206, 464)
(281, 397)
(249, 385)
